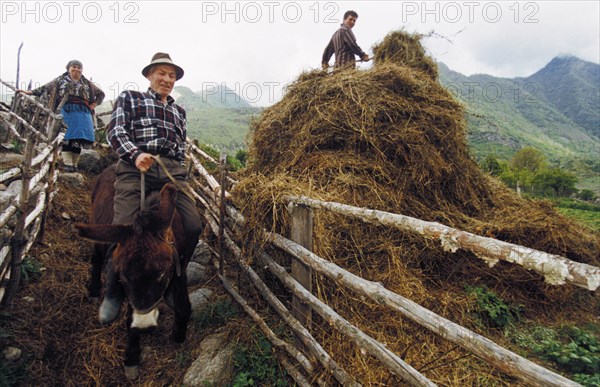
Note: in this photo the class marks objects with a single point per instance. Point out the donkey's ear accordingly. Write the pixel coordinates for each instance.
(106, 233)
(168, 201)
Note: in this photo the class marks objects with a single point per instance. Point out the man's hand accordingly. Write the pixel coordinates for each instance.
(325, 66)
(93, 105)
(28, 92)
(144, 161)
(365, 58)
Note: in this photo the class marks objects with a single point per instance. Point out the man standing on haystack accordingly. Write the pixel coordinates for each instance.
(343, 44)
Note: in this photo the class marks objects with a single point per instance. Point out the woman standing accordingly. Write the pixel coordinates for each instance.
(78, 97)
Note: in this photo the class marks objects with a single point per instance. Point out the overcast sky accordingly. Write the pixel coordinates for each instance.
(257, 47)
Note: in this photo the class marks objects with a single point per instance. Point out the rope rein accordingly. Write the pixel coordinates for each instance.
(180, 187)
(177, 184)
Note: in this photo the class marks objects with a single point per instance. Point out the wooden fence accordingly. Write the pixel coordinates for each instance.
(556, 270)
(31, 124)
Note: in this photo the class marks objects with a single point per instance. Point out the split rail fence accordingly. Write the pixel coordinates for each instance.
(30, 124)
(226, 223)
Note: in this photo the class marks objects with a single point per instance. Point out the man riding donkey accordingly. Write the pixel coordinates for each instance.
(147, 127)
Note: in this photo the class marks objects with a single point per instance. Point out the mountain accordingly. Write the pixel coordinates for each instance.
(218, 117)
(573, 87)
(555, 110)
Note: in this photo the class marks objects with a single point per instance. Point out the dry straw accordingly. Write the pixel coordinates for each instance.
(393, 138)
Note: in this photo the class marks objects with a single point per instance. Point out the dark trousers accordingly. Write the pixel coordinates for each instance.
(128, 193)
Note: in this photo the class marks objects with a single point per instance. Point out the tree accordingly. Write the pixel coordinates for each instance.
(525, 164)
(563, 183)
(242, 156)
(491, 165)
(528, 159)
(587, 194)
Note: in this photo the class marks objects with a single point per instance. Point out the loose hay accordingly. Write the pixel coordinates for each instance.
(393, 138)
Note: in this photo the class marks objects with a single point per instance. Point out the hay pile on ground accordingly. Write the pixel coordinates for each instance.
(392, 138)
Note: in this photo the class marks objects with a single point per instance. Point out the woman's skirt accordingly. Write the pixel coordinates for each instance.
(78, 119)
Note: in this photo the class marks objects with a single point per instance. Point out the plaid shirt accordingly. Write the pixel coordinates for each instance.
(343, 44)
(141, 122)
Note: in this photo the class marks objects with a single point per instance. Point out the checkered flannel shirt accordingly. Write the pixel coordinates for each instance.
(141, 122)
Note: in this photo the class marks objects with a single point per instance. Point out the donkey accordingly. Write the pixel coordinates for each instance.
(148, 259)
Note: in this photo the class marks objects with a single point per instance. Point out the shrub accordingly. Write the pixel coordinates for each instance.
(256, 366)
(587, 195)
(492, 310)
(31, 268)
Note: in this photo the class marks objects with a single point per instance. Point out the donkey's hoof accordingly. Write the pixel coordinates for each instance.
(132, 372)
(109, 310)
(145, 354)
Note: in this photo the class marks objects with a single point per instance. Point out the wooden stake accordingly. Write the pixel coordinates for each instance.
(18, 241)
(301, 233)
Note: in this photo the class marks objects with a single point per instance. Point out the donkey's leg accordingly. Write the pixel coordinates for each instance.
(95, 283)
(182, 308)
(133, 350)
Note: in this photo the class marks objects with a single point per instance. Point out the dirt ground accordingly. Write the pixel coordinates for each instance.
(57, 328)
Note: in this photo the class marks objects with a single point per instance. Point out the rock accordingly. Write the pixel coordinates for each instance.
(28, 299)
(8, 146)
(202, 254)
(11, 353)
(213, 366)
(89, 161)
(12, 159)
(6, 197)
(3, 187)
(14, 188)
(199, 298)
(75, 180)
(65, 216)
(92, 161)
(196, 273)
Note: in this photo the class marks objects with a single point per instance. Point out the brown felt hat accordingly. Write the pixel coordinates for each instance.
(163, 58)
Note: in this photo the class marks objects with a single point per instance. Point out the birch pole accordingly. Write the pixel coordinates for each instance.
(391, 361)
(14, 101)
(18, 239)
(556, 270)
(486, 349)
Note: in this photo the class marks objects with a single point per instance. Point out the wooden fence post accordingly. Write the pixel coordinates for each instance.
(302, 233)
(50, 189)
(18, 240)
(223, 167)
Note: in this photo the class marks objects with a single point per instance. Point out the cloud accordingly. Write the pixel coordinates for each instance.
(247, 43)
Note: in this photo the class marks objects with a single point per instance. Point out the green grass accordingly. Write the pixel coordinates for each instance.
(223, 128)
(584, 212)
(588, 218)
(215, 314)
(31, 268)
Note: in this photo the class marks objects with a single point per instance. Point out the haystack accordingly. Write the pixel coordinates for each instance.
(393, 138)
